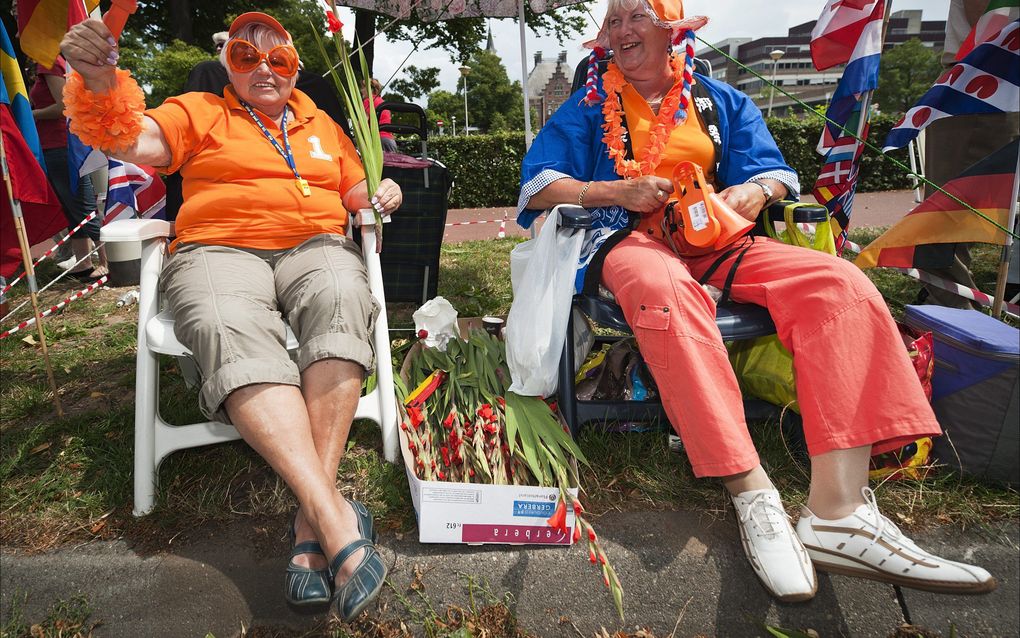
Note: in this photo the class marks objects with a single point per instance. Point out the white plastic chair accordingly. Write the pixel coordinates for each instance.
(154, 437)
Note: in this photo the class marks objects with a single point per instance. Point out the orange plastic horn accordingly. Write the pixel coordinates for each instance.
(731, 225)
(708, 220)
(117, 16)
(700, 226)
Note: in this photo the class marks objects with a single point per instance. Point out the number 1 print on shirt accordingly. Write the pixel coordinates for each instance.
(317, 152)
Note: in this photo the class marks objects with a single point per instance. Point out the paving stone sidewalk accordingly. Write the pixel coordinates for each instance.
(683, 573)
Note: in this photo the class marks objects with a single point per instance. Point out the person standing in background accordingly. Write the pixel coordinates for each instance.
(389, 144)
(46, 97)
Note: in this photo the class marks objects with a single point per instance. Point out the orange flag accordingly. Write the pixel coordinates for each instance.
(43, 23)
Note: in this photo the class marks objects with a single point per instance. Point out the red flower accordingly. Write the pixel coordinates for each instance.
(423, 332)
(591, 535)
(334, 26)
(559, 518)
(591, 556)
(577, 533)
(577, 507)
(486, 412)
(448, 421)
(442, 477)
(417, 418)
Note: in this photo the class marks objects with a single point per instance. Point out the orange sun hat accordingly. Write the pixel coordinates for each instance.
(260, 18)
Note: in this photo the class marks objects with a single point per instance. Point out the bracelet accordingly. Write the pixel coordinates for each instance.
(111, 121)
(580, 196)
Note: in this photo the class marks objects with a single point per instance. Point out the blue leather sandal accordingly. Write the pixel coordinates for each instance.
(365, 525)
(364, 584)
(306, 586)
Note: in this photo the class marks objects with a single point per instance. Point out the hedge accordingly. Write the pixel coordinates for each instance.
(486, 168)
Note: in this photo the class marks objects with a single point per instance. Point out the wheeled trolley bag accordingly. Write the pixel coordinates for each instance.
(413, 237)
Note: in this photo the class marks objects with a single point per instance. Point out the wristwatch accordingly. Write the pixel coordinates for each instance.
(765, 188)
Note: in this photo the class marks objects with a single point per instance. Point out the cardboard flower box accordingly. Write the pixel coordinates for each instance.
(475, 513)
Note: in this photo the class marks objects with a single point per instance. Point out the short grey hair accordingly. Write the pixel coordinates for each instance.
(258, 34)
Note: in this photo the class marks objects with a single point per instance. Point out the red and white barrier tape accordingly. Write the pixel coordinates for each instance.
(482, 221)
(502, 228)
(78, 295)
(963, 291)
(52, 248)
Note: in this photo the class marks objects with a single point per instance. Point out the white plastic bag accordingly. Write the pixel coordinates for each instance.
(542, 273)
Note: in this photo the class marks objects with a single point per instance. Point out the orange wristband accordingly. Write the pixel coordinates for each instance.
(110, 121)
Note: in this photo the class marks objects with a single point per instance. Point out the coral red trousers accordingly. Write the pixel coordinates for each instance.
(855, 383)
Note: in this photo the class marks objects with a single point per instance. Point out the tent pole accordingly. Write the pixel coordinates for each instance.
(33, 287)
(524, 75)
(1000, 283)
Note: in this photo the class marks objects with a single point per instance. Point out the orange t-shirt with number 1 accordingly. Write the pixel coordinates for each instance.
(238, 189)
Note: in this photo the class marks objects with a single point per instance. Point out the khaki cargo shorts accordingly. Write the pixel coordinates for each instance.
(230, 304)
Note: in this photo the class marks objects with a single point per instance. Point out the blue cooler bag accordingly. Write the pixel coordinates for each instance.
(974, 391)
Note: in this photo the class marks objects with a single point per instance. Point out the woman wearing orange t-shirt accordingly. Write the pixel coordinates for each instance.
(268, 180)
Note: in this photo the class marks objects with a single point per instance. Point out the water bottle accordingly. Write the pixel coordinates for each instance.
(128, 298)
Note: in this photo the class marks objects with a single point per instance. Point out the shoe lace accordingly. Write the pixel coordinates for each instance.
(764, 516)
(883, 526)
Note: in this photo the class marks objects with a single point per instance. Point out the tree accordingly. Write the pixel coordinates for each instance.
(490, 92)
(418, 83)
(907, 71)
(162, 71)
(462, 37)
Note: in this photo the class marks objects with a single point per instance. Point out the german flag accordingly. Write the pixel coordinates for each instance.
(987, 186)
(43, 23)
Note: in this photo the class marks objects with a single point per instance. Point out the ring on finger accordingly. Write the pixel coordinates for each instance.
(659, 194)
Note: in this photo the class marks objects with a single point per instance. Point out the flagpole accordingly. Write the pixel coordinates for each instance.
(33, 287)
(865, 116)
(1000, 283)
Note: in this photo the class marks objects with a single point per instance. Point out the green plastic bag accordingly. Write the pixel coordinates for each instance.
(764, 367)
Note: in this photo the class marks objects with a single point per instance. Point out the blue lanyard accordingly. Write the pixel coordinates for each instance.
(285, 151)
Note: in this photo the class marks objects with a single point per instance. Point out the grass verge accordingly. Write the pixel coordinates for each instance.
(68, 480)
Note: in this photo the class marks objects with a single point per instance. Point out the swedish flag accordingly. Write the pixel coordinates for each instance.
(14, 93)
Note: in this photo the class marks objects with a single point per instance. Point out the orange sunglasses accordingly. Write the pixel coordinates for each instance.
(244, 57)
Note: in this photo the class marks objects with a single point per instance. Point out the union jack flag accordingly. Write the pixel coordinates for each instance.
(135, 191)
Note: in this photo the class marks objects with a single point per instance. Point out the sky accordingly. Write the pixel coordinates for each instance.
(727, 19)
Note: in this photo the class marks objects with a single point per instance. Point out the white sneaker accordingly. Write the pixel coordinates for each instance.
(869, 545)
(776, 554)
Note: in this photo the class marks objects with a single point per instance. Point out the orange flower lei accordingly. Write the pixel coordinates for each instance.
(612, 110)
(111, 121)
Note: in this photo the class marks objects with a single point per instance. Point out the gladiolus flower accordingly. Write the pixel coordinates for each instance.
(403, 426)
(501, 401)
(577, 533)
(448, 421)
(471, 472)
(334, 22)
(591, 535)
(577, 507)
(591, 556)
(605, 579)
(559, 518)
(417, 418)
(486, 412)
(442, 477)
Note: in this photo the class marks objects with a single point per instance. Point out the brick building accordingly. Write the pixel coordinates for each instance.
(548, 86)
